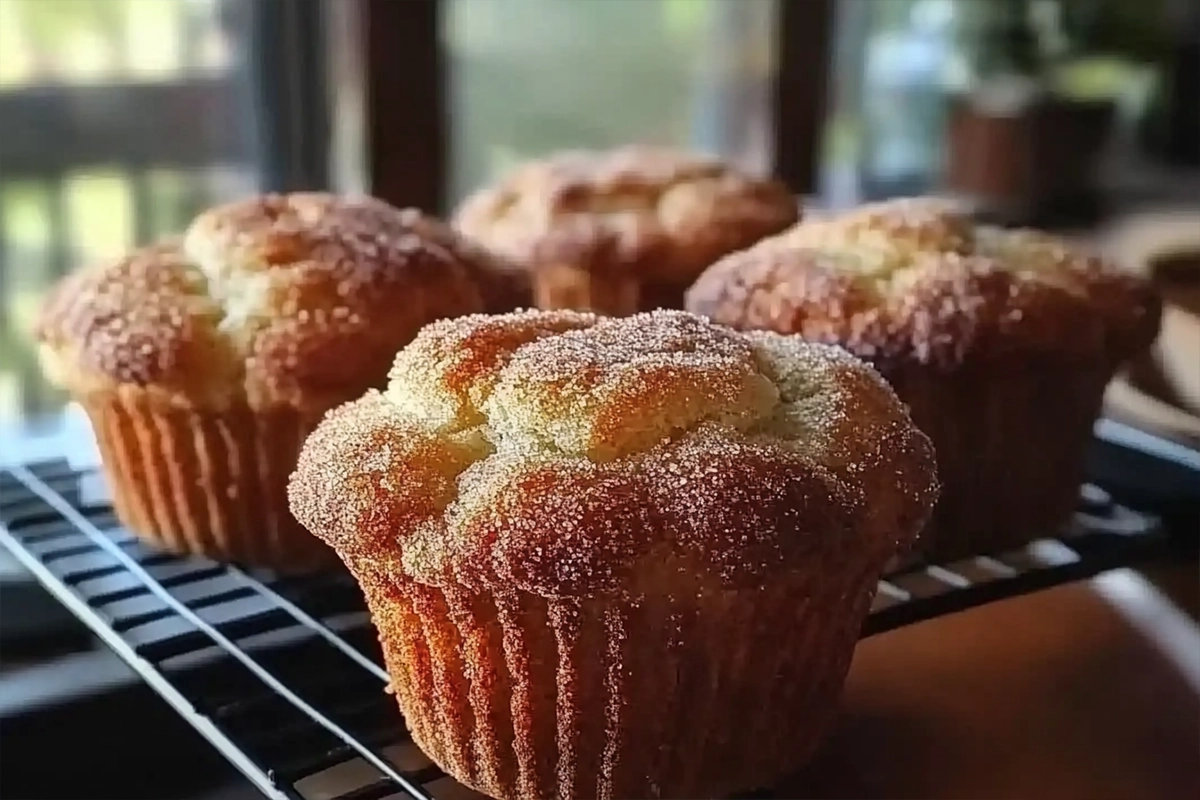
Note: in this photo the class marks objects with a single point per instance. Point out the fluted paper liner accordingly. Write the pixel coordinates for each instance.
(205, 482)
(1010, 447)
(520, 696)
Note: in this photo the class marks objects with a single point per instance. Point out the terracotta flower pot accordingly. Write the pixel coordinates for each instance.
(1036, 164)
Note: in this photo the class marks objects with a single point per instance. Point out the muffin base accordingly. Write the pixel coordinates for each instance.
(205, 482)
(566, 286)
(1010, 447)
(520, 696)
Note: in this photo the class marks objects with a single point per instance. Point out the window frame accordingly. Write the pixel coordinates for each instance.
(389, 56)
(405, 80)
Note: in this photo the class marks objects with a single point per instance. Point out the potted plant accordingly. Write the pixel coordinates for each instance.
(1044, 82)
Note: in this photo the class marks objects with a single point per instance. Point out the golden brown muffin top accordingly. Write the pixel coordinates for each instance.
(661, 213)
(298, 299)
(566, 454)
(915, 280)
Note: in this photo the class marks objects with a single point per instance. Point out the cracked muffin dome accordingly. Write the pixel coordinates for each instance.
(915, 280)
(297, 300)
(1001, 343)
(204, 361)
(566, 454)
(623, 230)
(576, 533)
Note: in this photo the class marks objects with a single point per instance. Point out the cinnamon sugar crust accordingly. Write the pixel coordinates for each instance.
(298, 300)
(570, 455)
(658, 214)
(913, 280)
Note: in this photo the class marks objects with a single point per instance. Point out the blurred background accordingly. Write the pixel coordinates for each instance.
(122, 118)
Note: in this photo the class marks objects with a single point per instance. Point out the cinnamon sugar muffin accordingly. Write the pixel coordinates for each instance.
(623, 230)
(1001, 343)
(204, 362)
(617, 557)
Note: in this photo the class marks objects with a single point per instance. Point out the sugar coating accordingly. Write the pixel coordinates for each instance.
(914, 280)
(651, 212)
(571, 455)
(297, 299)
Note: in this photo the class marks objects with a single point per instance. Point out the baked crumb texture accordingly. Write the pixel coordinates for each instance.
(1000, 341)
(623, 230)
(597, 548)
(204, 361)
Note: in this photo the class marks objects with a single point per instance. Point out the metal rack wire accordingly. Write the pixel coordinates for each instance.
(283, 675)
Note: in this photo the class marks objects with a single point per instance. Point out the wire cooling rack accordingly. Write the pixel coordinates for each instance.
(283, 675)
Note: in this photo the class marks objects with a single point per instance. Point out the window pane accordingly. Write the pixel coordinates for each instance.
(531, 76)
(119, 119)
(886, 129)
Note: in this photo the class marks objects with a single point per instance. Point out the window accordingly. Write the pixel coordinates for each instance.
(527, 77)
(885, 131)
(121, 119)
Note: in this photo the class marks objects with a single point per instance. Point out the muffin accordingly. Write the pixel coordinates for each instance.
(1001, 343)
(203, 362)
(617, 557)
(625, 230)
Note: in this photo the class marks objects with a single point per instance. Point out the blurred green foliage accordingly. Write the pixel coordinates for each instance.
(1033, 36)
(1129, 29)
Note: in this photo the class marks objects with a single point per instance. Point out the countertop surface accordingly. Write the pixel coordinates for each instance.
(1089, 691)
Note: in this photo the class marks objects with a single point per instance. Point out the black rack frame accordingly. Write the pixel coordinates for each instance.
(271, 669)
